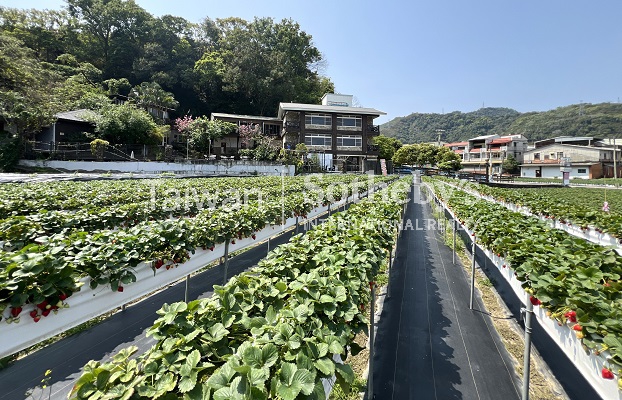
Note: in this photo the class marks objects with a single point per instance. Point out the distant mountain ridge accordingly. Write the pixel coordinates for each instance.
(598, 120)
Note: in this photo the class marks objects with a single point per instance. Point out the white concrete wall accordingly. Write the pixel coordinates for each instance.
(223, 167)
(553, 171)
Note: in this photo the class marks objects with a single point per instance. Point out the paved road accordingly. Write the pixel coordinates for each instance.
(429, 345)
(67, 357)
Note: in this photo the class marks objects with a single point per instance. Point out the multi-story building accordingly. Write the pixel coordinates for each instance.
(340, 134)
(489, 150)
(231, 144)
(589, 157)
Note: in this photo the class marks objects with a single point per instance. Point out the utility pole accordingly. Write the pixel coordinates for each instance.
(615, 165)
(439, 132)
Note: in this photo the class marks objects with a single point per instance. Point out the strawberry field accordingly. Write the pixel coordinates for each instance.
(271, 332)
(57, 236)
(576, 281)
(581, 207)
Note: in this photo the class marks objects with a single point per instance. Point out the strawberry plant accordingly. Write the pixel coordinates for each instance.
(577, 281)
(53, 265)
(267, 333)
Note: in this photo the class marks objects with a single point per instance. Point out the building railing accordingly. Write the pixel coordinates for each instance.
(292, 124)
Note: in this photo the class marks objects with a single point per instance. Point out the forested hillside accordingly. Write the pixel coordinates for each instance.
(598, 120)
(77, 57)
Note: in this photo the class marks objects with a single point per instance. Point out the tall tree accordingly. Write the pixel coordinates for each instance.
(387, 146)
(126, 124)
(49, 33)
(447, 160)
(201, 132)
(265, 62)
(26, 87)
(113, 30)
(151, 96)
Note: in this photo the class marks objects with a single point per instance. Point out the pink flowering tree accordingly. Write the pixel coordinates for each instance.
(248, 133)
(183, 124)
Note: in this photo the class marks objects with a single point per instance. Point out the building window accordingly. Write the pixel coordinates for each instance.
(318, 139)
(536, 156)
(349, 122)
(318, 121)
(271, 129)
(582, 171)
(350, 141)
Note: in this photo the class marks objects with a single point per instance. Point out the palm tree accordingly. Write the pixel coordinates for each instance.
(154, 99)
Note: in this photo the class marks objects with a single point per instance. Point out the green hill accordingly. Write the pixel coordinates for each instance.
(598, 120)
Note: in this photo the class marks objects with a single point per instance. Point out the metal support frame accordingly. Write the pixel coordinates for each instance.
(473, 247)
(455, 224)
(370, 376)
(186, 291)
(527, 313)
(224, 280)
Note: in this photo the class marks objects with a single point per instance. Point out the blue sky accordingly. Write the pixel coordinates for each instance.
(445, 55)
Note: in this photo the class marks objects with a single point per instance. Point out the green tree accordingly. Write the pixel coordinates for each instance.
(26, 87)
(426, 154)
(447, 160)
(112, 32)
(407, 155)
(49, 33)
(510, 165)
(150, 95)
(126, 124)
(202, 131)
(262, 62)
(387, 146)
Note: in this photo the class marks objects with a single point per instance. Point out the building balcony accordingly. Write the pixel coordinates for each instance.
(318, 148)
(318, 127)
(292, 125)
(350, 148)
(372, 148)
(349, 128)
(372, 129)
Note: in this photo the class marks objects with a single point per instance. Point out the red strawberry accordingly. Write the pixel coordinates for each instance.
(577, 327)
(211, 248)
(571, 315)
(233, 242)
(33, 313)
(15, 311)
(63, 296)
(606, 373)
(42, 305)
(46, 313)
(37, 318)
(254, 236)
(120, 289)
(504, 265)
(168, 267)
(534, 301)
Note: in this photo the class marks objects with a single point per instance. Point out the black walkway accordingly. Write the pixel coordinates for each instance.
(67, 357)
(429, 345)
